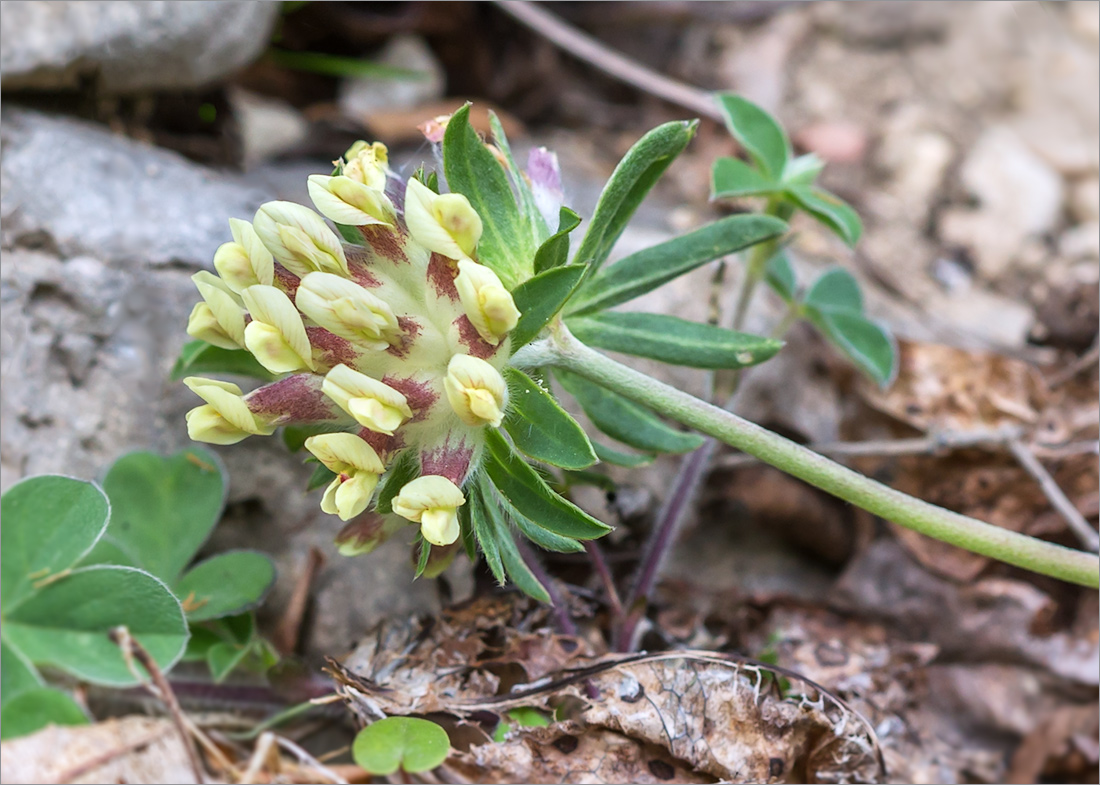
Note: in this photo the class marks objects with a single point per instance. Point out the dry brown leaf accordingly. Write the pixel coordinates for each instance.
(126, 750)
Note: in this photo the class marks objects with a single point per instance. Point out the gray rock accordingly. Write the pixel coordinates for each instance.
(1019, 196)
(90, 192)
(129, 46)
(268, 126)
(361, 97)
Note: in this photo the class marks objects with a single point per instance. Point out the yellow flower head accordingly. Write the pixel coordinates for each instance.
(489, 306)
(433, 502)
(357, 468)
(372, 403)
(475, 390)
(367, 164)
(445, 224)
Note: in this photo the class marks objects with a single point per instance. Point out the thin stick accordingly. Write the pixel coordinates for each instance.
(1058, 499)
(561, 607)
(598, 54)
(132, 650)
(265, 745)
(595, 553)
(290, 627)
(98, 761)
(309, 760)
(1078, 365)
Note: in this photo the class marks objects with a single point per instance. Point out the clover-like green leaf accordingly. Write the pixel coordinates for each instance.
(529, 494)
(865, 342)
(830, 210)
(673, 340)
(628, 185)
(506, 245)
(66, 623)
(732, 177)
(651, 267)
(36, 708)
(407, 743)
(758, 132)
(163, 509)
(540, 428)
(540, 298)
(50, 522)
(623, 420)
(225, 584)
(17, 674)
(198, 358)
(835, 290)
(555, 251)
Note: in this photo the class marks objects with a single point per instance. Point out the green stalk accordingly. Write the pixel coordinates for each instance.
(969, 533)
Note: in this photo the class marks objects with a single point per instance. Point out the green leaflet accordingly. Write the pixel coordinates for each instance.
(199, 358)
(732, 177)
(555, 251)
(672, 340)
(540, 428)
(624, 420)
(628, 185)
(647, 269)
(758, 132)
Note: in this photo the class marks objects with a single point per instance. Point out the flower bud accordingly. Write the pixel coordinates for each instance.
(488, 305)
(357, 469)
(226, 418)
(299, 239)
(346, 201)
(445, 224)
(433, 502)
(221, 322)
(476, 390)
(367, 164)
(276, 335)
(372, 403)
(346, 309)
(245, 261)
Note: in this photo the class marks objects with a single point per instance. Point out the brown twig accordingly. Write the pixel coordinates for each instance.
(598, 54)
(91, 764)
(595, 554)
(287, 633)
(1081, 363)
(131, 651)
(1058, 499)
(308, 760)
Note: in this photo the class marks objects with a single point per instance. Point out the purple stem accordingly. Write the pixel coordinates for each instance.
(595, 553)
(665, 531)
(560, 613)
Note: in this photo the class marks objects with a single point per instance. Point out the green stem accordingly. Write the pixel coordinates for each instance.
(928, 519)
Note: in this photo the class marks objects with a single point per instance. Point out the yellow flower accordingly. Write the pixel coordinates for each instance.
(433, 502)
(372, 403)
(219, 319)
(357, 468)
(367, 164)
(445, 224)
(346, 201)
(299, 239)
(476, 390)
(488, 305)
(276, 335)
(346, 309)
(245, 261)
(226, 418)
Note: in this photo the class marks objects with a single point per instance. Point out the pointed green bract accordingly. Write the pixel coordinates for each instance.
(555, 251)
(528, 493)
(670, 339)
(540, 298)
(540, 428)
(405, 469)
(481, 496)
(628, 185)
(647, 269)
(758, 132)
(507, 246)
(624, 420)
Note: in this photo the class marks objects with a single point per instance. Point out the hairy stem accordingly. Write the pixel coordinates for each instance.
(950, 527)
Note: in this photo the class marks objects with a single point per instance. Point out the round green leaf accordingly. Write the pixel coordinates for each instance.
(408, 743)
(225, 584)
(37, 708)
(162, 510)
(49, 523)
(18, 675)
(835, 291)
(65, 623)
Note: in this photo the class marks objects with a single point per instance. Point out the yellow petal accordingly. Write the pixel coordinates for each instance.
(346, 201)
(343, 452)
(202, 324)
(430, 492)
(444, 224)
(346, 309)
(440, 527)
(488, 305)
(354, 494)
(205, 424)
(312, 245)
(276, 330)
(372, 403)
(223, 304)
(475, 390)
